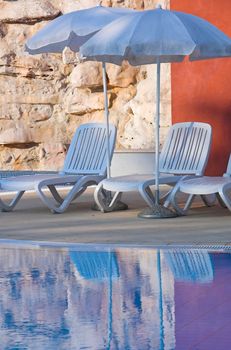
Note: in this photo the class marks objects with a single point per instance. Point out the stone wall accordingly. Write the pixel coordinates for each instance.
(44, 98)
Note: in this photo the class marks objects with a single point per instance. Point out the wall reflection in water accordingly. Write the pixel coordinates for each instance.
(122, 299)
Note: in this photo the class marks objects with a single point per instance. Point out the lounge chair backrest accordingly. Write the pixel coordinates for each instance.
(228, 170)
(87, 152)
(186, 149)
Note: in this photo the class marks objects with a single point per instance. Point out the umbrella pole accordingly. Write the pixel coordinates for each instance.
(157, 192)
(158, 211)
(119, 205)
(106, 118)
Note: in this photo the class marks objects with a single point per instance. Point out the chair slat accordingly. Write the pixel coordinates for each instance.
(87, 153)
(186, 149)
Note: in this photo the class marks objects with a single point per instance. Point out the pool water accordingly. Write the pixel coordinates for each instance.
(73, 298)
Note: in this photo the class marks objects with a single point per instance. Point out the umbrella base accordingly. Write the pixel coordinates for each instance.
(117, 207)
(157, 212)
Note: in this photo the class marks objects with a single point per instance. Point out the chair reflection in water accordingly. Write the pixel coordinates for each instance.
(190, 265)
(95, 265)
(99, 267)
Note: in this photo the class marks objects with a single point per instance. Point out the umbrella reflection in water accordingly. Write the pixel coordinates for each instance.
(98, 266)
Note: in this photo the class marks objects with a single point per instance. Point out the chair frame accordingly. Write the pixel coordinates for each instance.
(85, 164)
(215, 186)
(184, 154)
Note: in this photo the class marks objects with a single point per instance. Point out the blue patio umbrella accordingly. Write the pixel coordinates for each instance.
(155, 37)
(72, 29)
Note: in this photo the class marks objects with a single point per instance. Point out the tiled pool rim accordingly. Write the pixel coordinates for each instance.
(12, 243)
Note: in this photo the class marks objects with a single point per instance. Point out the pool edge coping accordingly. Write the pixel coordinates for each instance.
(14, 243)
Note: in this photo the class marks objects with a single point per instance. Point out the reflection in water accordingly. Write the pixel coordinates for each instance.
(191, 265)
(123, 299)
(93, 265)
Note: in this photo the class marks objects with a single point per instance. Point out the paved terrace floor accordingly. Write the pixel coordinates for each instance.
(31, 220)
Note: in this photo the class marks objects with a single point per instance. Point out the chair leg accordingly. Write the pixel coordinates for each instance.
(172, 199)
(9, 207)
(104, 199)
(224, 195)
(55, 194)
(50, 204)
(99, 197)
(117, 196)
(164, 198)
(180, 211)
(209, 200)
(79, 193)
(147, 195)
(172, 193)
(76, 190)
(189, 202)
(220, 201)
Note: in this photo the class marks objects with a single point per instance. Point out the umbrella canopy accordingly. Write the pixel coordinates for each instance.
(156, 36)
(72, 29)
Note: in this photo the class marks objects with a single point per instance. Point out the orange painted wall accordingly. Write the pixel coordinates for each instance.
(201, 91)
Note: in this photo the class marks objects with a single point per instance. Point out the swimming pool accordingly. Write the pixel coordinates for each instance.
(119, 298)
